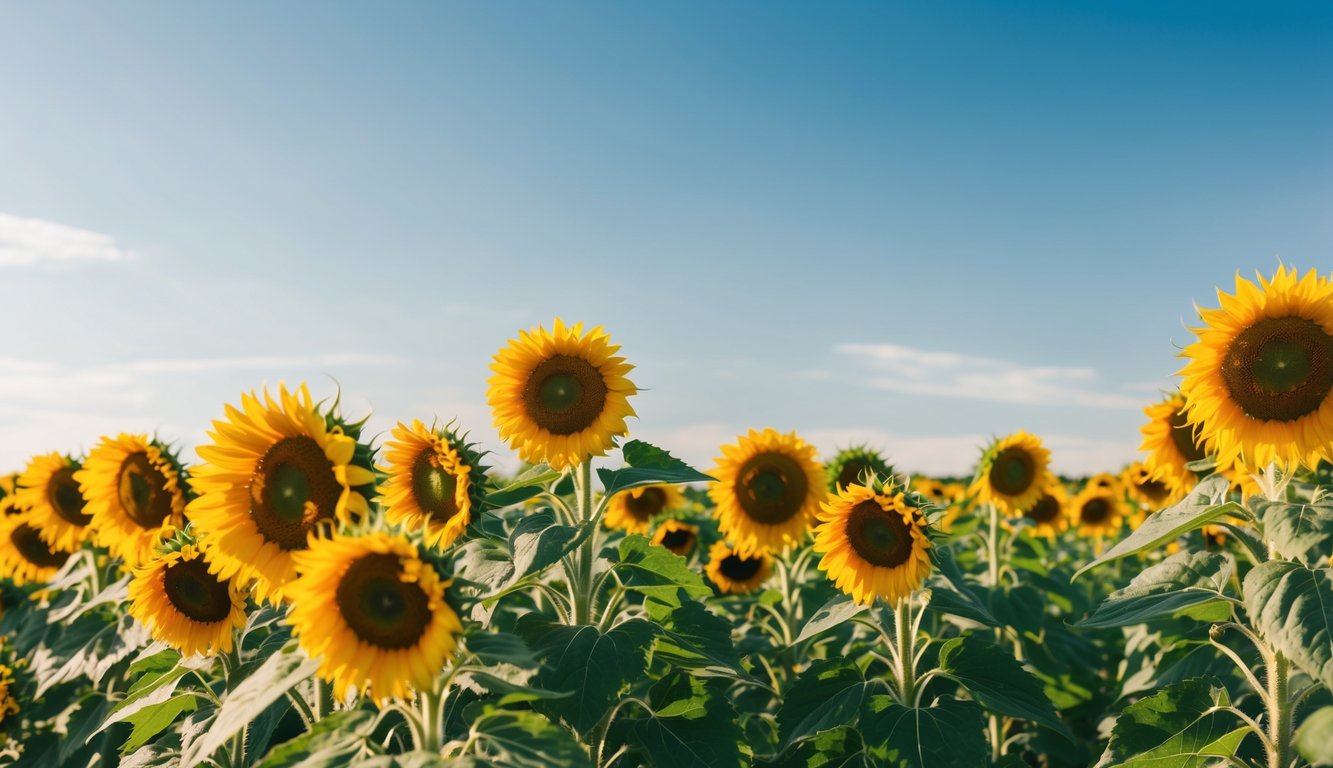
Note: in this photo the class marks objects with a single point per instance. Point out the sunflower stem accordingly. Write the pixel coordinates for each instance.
(585, 555)
(993, 546)
(432, 720)
(905, 629)
(1279, 710)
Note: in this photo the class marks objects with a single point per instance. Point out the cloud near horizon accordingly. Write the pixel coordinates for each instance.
(28, 242)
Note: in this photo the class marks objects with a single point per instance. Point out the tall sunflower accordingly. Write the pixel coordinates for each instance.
(135, 488)
(47, 489)
(1012, 474)
(1147, 488)
(768, 489)
(676, 536)
(560, 397)
(1050, 514)
(435, 482)
(873, 544)
(25, 558)
(1098, 512)
(183, 604)
(374, 614)
(1171, 444)
(276, 471)
(734, 573)
(1259, 382)
(850, 464)
(633, 511)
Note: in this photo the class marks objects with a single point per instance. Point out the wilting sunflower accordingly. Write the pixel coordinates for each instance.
(275, 472)
(850, 464)
(47, 489)
(9, 705)
(1050, 514)
(1147, 487)
(1013, 473)
(184, 605)
(136, 495)
(560, 397)
(734, 573)
(374, 614)
(435, 481)
(1097, 511)
(873, 544)
(1259, 382)
(1171, 444)
(768, 490)
(25, 558)
(632, 511)
(677, 536)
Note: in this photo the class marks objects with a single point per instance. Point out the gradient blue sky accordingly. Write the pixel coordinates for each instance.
(914, 224)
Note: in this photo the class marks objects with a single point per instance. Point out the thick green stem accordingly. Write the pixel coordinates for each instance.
(993, 547)
(585, 556)
(906, 631)
(432, 721)
(1279, 711)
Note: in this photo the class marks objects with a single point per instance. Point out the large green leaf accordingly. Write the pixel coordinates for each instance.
(1175, 728)
(529, 483)
(826, 695)
(692, 636)
(537, 542)
(947, 734)
(648, 465)
(997, 681)
(594, 666)
(657, 572)
(1203, 505)
(838, 748)
(956, 596)
(501, 648)
(336, 740)
(692, 724)
(524, 739)
(832, 614)
(1184, 582)
(151, 720)
(1300, 531)
(1293, 608)
(1314, 739)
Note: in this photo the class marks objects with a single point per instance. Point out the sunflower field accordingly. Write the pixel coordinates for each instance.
(295, 592)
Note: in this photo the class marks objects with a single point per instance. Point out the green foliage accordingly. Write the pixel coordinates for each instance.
(1314, 739)
(1180, 727)
(1293, 608)
(657, 572)
(947, 734)
(1300, 531)
(648, 465)
(1185, 583)
(997, 681)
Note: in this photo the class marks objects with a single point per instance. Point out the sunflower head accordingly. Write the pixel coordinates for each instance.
(1012, 473)
(677, 536)
(873, 544)
(734, 573)
(1050, 514)
(136, 491)
(374, 613)
(633, 511)
(768, 489)
(934, 491)
(1097, 511)
(1172, 445)
(278, 471)
(183, 604)
(435, 482)
(25, 557)
(560, 397)
(1104, 480)
(1259, 381)
(1147, 487)
(852, 465)
(47, 489)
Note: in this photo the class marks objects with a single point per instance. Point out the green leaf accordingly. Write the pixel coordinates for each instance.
(1300, 531)
(947, 734)
(1175, 729)
(333, 741)
(1201, 507)
(648, 465)
(1184, 581)
(151, 720)
(1314, 739)
(825, 696)
(529, 483)
(501, 648)
(961, 600)
(692, 636)
(693, 725)
(657, 572)
(537, 542)
(998, 682)
(525, 739)
(833, 613)
(1293, 608)
(838, 748)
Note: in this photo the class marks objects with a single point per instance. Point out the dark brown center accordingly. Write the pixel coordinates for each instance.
(380, 608)
(771, 488)
(1183, 435)
(564, 395)
(62, 491)
(649, 502)
(851, 471)
(30, 545)
(881, 538)
(143, 491)
(1013, 471)
(1155, 491)
(740, 569)
(1046, 510)
(1280, 368)
(292, 489)
(195, 592)
(678, 540)
(1095, 510)
(434, 487)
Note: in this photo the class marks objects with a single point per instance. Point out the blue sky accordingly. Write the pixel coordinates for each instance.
(898, 223)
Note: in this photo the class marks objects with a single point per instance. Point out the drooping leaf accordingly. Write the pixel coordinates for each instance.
(1314, 739)
(1293, 608)
(524, 739)
(1300, 531)
(1185, 581)
(529, 483)
(958, 597)
(947, 734)
(657, 572)
(997, 681)
(1175, 728)
(833, 613)
(648, 465)
(826, 695)
(537, 542)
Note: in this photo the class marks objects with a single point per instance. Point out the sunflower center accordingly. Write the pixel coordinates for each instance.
(380, 608)
(1183, 435)
(737, 568)
(648, 503)
(1046, 510)
(143, 491)
(1095, 510)
(434, 487)
(771, 488)
(1013, 471)
(677, 539)
(880, 537)
(851, 473)
(195, 592)
(63, 493)
(1155, 490)
(29, 544)
(1280, 368)
(564, 394)
(293, 487)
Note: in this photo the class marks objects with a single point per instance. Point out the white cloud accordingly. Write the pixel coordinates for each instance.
(25, 242)
(263, 362)
(947, 374)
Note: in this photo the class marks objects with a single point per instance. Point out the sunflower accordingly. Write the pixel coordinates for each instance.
(633, 510)
(183, 604)
(1105, 481)
(136, 495)
(1013, 473)
(850, 464)
(934, 490)
(734, 573)
(275, 473)
(47, 489)
(1097, 511)
(560, 397)
(8, 484)
(435, 482)
(25, 558)
(1171, 445)
(9, 705)
(678, 537)
(768, 490)
(1147, 487)
(1050, 514)
(1259, 382)
(374, 614)
(873, 544)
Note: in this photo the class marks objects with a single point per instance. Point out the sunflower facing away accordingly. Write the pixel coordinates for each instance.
(768, 490)
(184, 605)
(374, 614)
(275, 472)
(136, 495)
(873, 544)
(1259, 382)
(1147, 488)
(1050, 514)
(734, 573)
(676, 536)
(850, 464)
(1013, 473)
(434, 484)
(48, 490)
(632, 511)
(560, 397)
(1097, 512)
(24, 557)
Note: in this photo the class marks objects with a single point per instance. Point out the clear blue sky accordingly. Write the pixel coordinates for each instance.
(902, 223)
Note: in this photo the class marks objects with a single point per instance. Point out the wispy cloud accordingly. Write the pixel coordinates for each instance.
(947, 374)
(27, 242)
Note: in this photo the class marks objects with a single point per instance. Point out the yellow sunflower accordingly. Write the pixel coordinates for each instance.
(1147, 487)
(25, 558)
(768, 490)
(1104, 480)
(434, 482)
(47, 489)
(275, 472)
(374, 614)
(136, 495)
(1050, 515)
(9, 705)
(184, 605)
(677, 536)
(873, 544)
(560, 397)
(850, 464)
(734, 573)
(8, 484)
(1171, 444)
(1259, 382)
(934, 490)
(632, 511)
(1013, 473)
(1098, 512)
